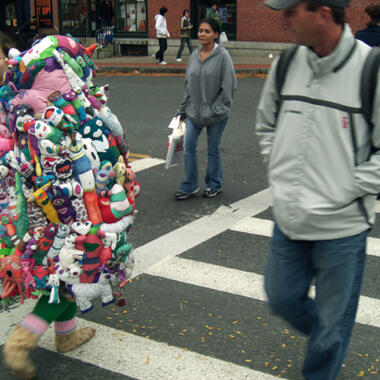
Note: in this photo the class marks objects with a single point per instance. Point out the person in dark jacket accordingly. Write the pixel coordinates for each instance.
(186, 27)
(106, 13)
(371, 34)
(210, 84)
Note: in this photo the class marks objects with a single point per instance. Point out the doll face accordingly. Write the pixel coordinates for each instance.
(38, 51)
(42, 130)
(54, 115)
(63, 168)
(4, 171)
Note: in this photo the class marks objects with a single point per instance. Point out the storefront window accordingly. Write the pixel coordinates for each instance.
(44, 14)
(131, 16)
(227, 10)
(78, 17)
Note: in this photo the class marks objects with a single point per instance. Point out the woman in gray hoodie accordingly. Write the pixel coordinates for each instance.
(210, 84)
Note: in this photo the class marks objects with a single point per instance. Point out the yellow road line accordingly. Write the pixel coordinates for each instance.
(138, 155)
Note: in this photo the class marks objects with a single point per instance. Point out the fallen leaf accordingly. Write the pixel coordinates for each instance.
(248, 360)
(147, 360)
(235, 322)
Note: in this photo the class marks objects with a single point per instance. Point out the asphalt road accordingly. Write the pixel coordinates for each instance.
(197, 311)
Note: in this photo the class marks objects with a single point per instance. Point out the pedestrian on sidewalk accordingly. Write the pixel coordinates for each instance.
(371, 34)
(210, 84)
(185, 34)
(324, 173)
(162, 34)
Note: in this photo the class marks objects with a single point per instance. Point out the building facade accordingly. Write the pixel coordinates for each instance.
(242, 20)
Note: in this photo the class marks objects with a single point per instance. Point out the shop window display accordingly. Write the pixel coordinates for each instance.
(132, 16)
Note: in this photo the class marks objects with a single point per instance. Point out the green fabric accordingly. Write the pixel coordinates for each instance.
(63, 311)
(215, 15)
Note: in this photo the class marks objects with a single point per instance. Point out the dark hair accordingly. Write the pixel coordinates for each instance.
(184, 11)
(339, 14)
(373, 11)
(215, 3)
(163, 10)
(213, 23)
(6, 43)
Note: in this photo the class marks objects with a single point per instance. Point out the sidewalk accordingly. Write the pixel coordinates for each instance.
(147, 64)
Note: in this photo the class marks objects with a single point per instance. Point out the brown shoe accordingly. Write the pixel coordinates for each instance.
(69, 342)
(16, 352)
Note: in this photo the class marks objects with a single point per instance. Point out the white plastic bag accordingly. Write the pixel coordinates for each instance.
(175, 144)
(223, 37)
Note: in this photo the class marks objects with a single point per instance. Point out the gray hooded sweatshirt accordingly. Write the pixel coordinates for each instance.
(209, 87)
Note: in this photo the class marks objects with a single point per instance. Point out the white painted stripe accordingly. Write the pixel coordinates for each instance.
(138, 357)
(377, 207)
(254, 226)
(145, 163)
(246, 284)
(192, 234)
(264, 227)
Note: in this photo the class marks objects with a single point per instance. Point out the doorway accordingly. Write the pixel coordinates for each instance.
(227, 10)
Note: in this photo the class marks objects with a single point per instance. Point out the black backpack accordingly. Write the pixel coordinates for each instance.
(367, 85)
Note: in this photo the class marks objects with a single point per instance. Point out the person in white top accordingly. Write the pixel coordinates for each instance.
(162, 34)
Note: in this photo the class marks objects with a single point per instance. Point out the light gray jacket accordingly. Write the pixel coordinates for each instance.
(323, 174)
(209, 87)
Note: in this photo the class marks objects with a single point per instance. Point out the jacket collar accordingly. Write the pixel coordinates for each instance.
(337, 58)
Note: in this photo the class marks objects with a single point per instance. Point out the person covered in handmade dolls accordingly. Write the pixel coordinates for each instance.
(26, 335)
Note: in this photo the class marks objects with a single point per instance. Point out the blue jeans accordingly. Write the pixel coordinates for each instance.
(337, 266)
(214, 174)
(184, 40)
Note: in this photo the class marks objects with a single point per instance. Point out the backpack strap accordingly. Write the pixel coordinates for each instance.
(281, 71)
(368, 83)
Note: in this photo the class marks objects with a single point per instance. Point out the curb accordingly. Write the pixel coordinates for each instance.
(109, 68)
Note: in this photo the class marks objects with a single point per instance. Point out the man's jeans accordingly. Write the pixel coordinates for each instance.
(214, 173)
(163, 46)
(184, 40)
(337, 266)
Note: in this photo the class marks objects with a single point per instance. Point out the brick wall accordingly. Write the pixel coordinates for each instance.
(256, 22)
(173, 17)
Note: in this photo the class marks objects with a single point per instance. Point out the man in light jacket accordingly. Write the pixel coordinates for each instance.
(324, 171)
(162, 34)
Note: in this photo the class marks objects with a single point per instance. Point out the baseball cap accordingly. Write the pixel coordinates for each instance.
(283, 4)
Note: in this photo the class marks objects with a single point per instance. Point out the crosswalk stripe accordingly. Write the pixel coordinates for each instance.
(145, 163)
(263, 227)
(237, 282)
(202, 229)
(135, 356)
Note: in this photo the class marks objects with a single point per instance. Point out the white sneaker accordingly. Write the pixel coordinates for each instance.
(179, 59)
(163, 63)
